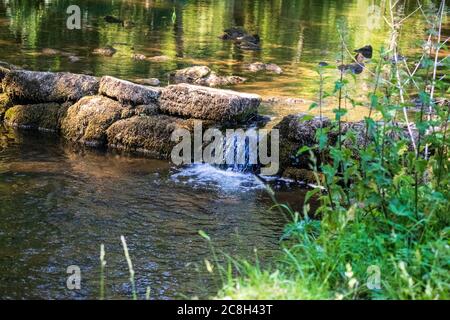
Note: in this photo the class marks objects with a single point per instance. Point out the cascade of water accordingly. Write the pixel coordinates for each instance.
(241, 150)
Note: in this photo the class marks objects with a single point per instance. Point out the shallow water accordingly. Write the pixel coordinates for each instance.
(58, 203)
(296, 34)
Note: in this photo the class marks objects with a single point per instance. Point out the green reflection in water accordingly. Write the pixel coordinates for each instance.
(296, 35)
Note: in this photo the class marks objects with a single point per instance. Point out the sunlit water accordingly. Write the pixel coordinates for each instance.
(58, 204)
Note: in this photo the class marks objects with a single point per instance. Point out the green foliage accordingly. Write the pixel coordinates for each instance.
(384, 205)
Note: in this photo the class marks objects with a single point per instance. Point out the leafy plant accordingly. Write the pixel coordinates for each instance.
(383, 192)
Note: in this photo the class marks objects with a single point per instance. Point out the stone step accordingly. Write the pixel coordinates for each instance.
(36, 87)
(127, 92)
(191, 101)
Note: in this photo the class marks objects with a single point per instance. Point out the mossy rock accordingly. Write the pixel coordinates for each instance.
(150, 135)
(226, 106)
(87, 120)
(127, 92)
(44, 116)
(301, 175)
(29, 87)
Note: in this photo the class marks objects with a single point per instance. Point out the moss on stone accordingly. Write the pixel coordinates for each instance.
(146, 134)
(44, 116)
(88, 119)
(39, 87)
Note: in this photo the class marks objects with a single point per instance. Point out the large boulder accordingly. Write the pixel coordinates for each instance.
(209, 104)
(203, 76)
(35, 87)
(128, 92)
(300, 130)
(150, 135)
(87, 120)
(297, 131)
(44, 116)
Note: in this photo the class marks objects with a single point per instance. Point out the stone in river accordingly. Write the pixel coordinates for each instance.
(128, 92)
(209, 104)
(34, 87)
(105, 51)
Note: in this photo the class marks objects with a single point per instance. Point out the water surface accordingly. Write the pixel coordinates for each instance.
(58, 203)
(296, 34)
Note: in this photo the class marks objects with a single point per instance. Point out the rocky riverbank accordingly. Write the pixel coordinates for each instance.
(112, 113)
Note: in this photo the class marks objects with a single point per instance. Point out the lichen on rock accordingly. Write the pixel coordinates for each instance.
(145, 134)
(205, 103)
(128, 92)
(36, 87)
(43, 116)
(87, 120)
(204, 76)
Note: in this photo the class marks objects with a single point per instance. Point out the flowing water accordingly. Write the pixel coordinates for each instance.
(58, 203)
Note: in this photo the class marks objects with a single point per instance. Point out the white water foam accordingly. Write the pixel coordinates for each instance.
(208, 176)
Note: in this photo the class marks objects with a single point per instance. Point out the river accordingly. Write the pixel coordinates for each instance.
(59, 202)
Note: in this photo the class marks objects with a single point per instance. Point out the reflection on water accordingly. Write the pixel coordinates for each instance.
(296, 34)
(58, 204)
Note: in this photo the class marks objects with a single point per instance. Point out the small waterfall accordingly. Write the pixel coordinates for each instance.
(241, 151)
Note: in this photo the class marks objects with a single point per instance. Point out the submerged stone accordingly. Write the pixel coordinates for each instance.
(139, 57)
(35, 87)
(44, 116)
(208, 104)
(128, 92)
(259, 66)
(106, 51)
(159, 59)
(87, 120)
(202, 75)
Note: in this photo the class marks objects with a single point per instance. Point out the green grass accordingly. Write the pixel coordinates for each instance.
(334, 265)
